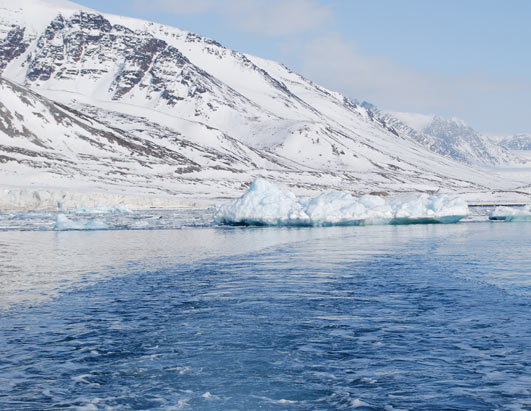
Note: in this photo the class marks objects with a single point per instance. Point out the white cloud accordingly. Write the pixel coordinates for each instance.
(486, 102)
(336, 63)
(267, 17)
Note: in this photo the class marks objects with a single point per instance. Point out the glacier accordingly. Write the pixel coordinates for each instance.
(267, 205)
(90, 202)
(511, 214)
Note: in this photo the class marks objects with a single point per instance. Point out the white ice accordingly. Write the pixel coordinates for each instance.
(63, 223)
(266, 204)
(511, 213)
(82, 202)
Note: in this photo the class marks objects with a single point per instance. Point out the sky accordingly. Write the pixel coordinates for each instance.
(469, 59)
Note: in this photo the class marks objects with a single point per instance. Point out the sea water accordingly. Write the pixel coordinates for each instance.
(212, 318)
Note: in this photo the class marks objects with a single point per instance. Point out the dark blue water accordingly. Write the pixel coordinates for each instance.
(416, 317)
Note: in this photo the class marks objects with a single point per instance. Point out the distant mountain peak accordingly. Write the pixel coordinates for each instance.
(450, 137)
(520, 142)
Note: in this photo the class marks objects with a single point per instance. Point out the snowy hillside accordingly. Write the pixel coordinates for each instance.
(107, 103)
(38, 135)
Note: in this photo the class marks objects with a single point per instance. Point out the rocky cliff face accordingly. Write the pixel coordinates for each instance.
(85, 50)
(13, 46)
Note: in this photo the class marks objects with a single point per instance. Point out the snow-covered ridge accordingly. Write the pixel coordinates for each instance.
(265, 204)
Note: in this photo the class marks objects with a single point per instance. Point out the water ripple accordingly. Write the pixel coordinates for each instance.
(368, 318)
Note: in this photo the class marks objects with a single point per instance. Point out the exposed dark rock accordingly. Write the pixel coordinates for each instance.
(12, 46)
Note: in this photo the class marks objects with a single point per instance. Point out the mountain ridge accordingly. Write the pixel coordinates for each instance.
(264, 117)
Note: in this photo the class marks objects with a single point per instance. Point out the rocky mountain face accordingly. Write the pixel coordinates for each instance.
(113, 103)
(13, 46)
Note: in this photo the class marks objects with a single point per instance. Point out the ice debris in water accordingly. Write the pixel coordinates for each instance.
(511, 213)
(266, 204)
(102, 209)
(63, 223)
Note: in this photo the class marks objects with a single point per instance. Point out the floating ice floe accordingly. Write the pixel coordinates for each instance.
(511, 213)
(63, 223)
(266, 204)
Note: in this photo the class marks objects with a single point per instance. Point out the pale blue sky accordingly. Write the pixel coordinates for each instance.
(464, 58)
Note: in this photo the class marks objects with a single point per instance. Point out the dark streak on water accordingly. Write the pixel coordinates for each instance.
(433, 317)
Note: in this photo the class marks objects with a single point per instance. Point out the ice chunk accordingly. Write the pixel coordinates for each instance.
(63, 223)
(263, 204)
(338, 208)
(439, 208)
(266, 204)
(511, 213)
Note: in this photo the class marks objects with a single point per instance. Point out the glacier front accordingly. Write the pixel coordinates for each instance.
(266, 204)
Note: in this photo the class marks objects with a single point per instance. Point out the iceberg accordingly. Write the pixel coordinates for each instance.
(511, 214)
(63, 223)
(265, 204)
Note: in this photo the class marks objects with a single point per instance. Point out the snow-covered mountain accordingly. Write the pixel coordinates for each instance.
(452, 138)
(100, 102)
(519, 142)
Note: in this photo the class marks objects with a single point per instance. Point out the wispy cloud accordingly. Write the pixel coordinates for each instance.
(480, 99)
(267, 17)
